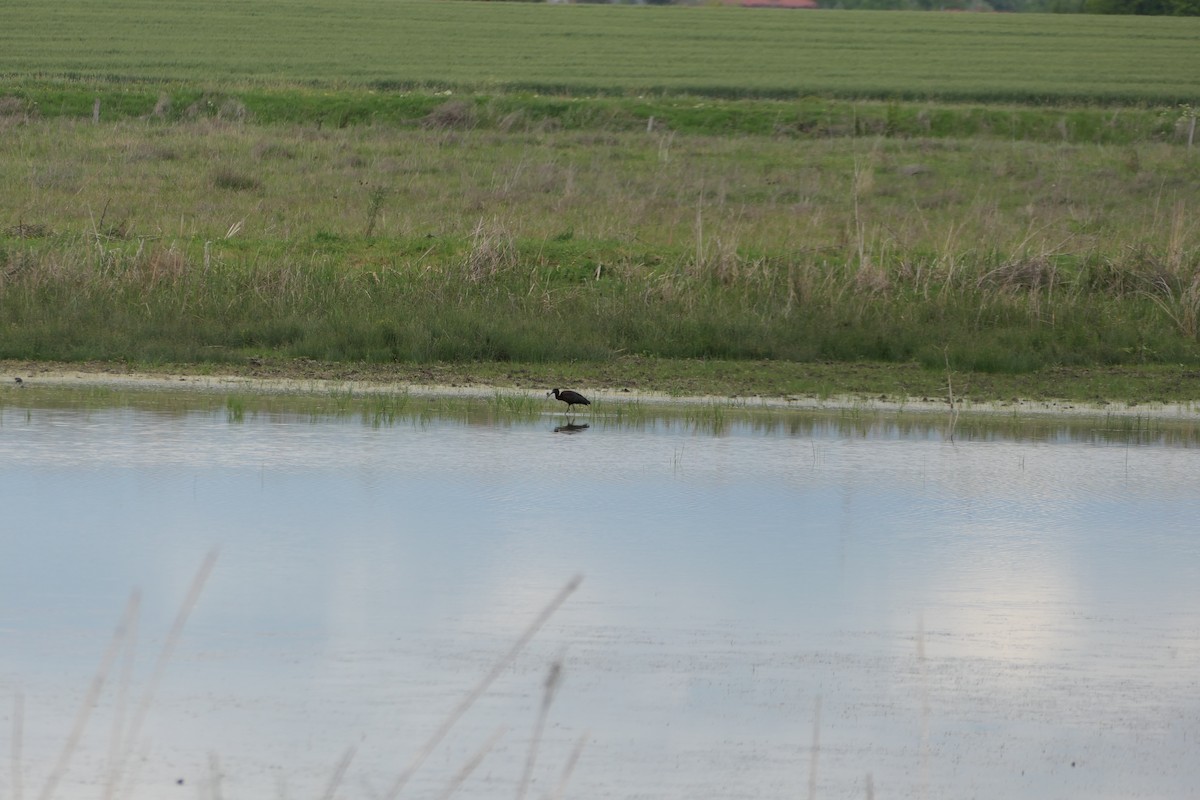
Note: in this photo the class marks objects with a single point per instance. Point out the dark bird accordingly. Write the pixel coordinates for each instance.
(570, 397)
(20, 382)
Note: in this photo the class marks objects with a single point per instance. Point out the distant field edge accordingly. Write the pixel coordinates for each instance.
(1164, 96)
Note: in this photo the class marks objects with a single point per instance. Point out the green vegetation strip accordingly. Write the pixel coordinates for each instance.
(806, 118)
(714, 51)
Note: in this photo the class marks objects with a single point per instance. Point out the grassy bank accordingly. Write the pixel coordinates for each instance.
(215, 240)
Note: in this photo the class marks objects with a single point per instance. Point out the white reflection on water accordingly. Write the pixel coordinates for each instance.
(1011, 618)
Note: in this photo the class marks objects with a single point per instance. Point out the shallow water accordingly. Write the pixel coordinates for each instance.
(828, 606)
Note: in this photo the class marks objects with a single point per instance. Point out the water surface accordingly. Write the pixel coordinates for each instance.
(772, 606)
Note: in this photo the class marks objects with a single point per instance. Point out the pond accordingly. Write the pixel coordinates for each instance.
(206, 596)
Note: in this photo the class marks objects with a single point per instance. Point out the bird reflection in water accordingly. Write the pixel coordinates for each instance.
(571, 427)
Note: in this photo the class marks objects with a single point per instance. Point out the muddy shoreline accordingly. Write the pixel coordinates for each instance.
(320, 382)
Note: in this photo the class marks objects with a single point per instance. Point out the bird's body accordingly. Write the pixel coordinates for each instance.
(570, 397)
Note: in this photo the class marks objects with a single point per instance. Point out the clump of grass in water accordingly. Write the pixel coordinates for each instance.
(342, 400)
(710, 417)
(384, 410)
(630, 414)
(235, 409)
(516, 405)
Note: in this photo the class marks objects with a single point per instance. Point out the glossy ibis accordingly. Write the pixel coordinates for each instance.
(570, 397)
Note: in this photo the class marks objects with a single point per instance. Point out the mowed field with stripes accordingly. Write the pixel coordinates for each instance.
(721, 51)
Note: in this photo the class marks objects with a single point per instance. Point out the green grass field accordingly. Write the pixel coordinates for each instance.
(214, 240)
(727, 52)
(227, 209)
